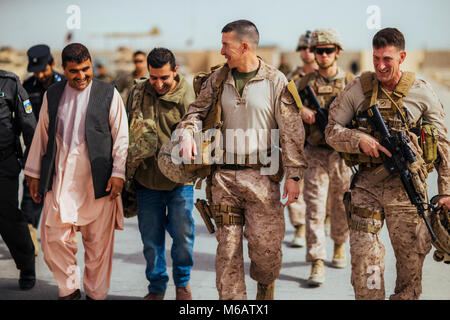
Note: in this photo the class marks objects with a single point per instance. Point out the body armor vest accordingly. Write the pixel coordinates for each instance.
(325, 94)
(391, 108)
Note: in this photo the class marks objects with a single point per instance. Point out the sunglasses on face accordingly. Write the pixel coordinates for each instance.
(303, 48)
(320, 51)
(138, 61)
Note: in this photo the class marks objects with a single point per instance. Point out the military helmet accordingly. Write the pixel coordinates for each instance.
(326, 36)
(440, 224)
(304, 41)
(171, 164)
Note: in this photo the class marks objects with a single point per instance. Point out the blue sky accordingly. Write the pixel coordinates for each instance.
(199, 22)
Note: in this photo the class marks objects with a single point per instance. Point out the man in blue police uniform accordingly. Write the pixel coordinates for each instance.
(41, 63)
(16, 117)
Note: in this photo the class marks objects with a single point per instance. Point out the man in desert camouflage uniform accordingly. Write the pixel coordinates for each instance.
(254, 96)
(399, 95)
(307, 57)
(297, 209)
(327, 173)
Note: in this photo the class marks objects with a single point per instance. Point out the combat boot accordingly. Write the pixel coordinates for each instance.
(33, 234)
(339, 258)
(317, 276)
(327, 225)
(265, 291)
(299, 237)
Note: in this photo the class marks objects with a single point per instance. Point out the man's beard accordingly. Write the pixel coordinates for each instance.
(326, 65)
(45, 80)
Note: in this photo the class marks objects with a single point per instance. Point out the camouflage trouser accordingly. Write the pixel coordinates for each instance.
(407, 232)
(297, 209)
(327, 175)
(259, 197)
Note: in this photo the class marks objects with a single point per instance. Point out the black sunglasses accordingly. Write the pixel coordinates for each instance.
(326, 50)
(303, 48)
(138, 61)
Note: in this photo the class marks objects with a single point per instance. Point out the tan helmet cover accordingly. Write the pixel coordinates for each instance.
(171, 164)
(441, 228)
(304, 41)
(326, 36)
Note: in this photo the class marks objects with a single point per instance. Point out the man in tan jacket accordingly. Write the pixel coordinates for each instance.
(163, 204)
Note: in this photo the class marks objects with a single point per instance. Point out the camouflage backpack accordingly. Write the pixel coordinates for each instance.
(143, 142)
(440, 223)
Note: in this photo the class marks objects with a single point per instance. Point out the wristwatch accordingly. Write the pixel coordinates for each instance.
(297, 179)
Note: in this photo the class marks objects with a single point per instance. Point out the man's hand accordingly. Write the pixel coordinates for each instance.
(371, 147)
(444, 200)
(291, 190)
(188, 149)
(308, 115)
(33, 184)
(115, 185)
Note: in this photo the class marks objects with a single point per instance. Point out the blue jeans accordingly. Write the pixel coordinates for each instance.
(159, 211)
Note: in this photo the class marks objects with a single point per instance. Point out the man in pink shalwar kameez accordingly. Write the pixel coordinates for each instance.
(71, 204)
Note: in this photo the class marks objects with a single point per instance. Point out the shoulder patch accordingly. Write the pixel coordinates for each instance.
(27, 106)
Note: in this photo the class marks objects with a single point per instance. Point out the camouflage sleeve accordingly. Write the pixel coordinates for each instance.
(292, 133)
(341, 113)
(191, 123)
(188, 99)
(435, 114)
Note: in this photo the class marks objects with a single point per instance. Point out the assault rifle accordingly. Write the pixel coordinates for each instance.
(402, 154)
(310, 99)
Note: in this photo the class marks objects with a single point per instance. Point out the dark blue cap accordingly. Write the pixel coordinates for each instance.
(38, 58)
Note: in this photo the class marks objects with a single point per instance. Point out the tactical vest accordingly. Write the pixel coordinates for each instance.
(394, 115)
(325, 94)
(214, 120)
(143, 135)
(98, 136)
(142, 144)
(214, 117)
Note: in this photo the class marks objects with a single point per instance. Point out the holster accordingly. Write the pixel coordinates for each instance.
(363, 213)
(206, 214)
(347, 201)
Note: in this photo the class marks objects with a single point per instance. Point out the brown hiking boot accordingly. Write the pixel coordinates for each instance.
(339, 259)
(34, 238)
(265, 291)
(183, 293)
(317, 276)
(299, 237)
(154, 296)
